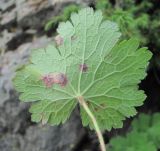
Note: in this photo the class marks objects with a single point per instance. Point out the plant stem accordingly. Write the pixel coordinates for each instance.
(97, 129)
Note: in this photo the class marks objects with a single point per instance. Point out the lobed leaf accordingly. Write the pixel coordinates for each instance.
(92, 64)
(144, 136)
(134, 141)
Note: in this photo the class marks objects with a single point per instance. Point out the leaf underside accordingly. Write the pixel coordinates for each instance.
(108, 84)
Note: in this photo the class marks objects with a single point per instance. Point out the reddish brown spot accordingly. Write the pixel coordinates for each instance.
(83, 67)
(60, 79)
(59, 40)
(48, 80)
(54, 78)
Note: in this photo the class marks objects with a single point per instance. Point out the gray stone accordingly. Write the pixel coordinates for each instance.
(11, 40)
(6, 4)
(62, 138)
(11, 60)
(8, 64)
(11, 142)
(32, 13)
(5, 37)
(7, 14)
(45, 138)
(8, 17)
(36, 13)
(14, 116)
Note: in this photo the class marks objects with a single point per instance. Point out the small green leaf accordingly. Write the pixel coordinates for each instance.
(149, 124)
(144, 135)
(88, 62)
(134, 141)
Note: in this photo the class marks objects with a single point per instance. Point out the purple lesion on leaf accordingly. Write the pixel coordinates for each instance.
(54, 78)
(60, 79)
(58, 40)
(83, 67)
(48, 80)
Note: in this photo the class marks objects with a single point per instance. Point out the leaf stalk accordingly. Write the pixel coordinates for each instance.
(97, 129)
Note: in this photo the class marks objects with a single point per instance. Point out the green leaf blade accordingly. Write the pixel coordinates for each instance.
(86, 61)
(114, 89)
(52, 112)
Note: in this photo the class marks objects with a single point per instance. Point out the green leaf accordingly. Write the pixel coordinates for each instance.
(149, 124)
(134, 141)
(52, 112)
(62, 17)
(144, 136)
(85, 61)
(142, 123)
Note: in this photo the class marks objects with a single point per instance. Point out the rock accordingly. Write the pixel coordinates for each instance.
(45, 138)
(11, 60)
(62, 138)
(7, 14)
(8, 64)
(19, 38)
(35, 13)
(8, 18)
(14, 116)
(11, 143)
(13, 113)
(5, 37)
(6, 4)
(11, 40)
(31, 13)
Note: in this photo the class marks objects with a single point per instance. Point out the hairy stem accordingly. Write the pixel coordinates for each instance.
(97, 129)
